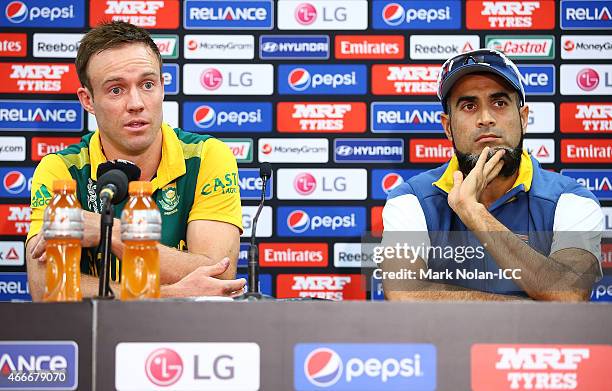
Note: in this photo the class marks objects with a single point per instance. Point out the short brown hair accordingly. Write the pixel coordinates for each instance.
(107, 36)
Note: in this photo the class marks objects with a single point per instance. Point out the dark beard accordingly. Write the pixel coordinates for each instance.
(512, 159)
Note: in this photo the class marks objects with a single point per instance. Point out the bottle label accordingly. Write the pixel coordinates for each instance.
(63, 223)
(142, 225)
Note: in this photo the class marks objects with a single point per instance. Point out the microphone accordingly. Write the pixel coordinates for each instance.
(113, 179)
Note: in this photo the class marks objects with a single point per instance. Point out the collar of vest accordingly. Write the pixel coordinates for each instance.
(523, 181)
(171, 166)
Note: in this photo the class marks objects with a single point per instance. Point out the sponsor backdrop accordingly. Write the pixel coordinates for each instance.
(339, 95)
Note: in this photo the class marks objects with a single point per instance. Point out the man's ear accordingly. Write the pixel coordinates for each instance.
(524, 113)
(446, 124)
(86, 99)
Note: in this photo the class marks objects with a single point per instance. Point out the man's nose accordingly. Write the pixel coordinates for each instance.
(486, 118)
(135, 102)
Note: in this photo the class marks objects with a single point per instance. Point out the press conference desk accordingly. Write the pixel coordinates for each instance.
(98, 326)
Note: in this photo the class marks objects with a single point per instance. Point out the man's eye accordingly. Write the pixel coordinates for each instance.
(500, 103)
(469, 106)
(115, 90)
(148, 85)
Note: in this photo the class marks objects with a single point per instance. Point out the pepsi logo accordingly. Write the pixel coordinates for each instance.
(266, 149)
(298, 221)
(15, 182)
(16, 12)
(299, 79)
(164, 367)
(305, 183)
(204, 117)
(211, 79)
(391, 181)
(569, 45)
(305, 14)
(393, 14)
(192, 44)
(587, 79)
(323, 367)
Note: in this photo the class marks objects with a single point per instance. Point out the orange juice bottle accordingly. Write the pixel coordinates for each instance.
(140, 233)
(63, 231)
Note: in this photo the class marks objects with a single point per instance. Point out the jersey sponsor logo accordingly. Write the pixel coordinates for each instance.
(385, 180)
(320, 221)
(510, 15)
(586, 117)
(369, 47)
(214, 47)
(323, 286)
(551, 367)
(416, 15)
(12, 254)
(154, 14)
(12, 149)
(293, 150)
(538, 79)
(599, 182)
(39, 78)
(264, 224)
(322, 79)
(13, 44)
(224, 184)
(39, 14)
(321, 184)
(15, 218)
(541, 117)
(417, 117)
(242, 148)
(293, 254)
(523, 47)
(441, 47)
(323, 15)
(228, 15)
(586, 47)
(16, 181)
(321, 117)
(430, 150)
(228, 79)
(379, 150)
(583, 79)
(365, 366)
(207, 117)
(56, 45)
(586, 151)
(421, 79)
(543, 149)
(294, 47)
(582, 15)
(40, 197)
(42, 146)
(41, 115)
(251, 184)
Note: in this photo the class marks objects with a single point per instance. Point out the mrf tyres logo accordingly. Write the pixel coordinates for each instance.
(510, 15)
(323, 286)
(539, 367)
(421, 79)
(161, 14)
(38, 78)
(586, 117)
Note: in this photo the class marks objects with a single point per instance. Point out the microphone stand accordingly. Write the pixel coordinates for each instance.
(106, 237)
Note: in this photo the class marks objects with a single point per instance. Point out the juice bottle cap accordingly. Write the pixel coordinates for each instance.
(136, 187)
(64, 185)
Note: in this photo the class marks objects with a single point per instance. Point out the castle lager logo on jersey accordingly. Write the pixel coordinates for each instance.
(369, 47)
(510, 15)
(586, 47)
(294, 47)
(385, 180)
(228, 79)
(223, 184)
(167, 45)
(412, 117)
(599, 182)
(430, 150)
(421, 79)
(583, 117)
(293, 254)
(538, 79)
(41, 115)
(42, 146)
(583, 79)
(322, 79)
(320, 221)
(321, 117)
(583, 15)
(206, 117)
(227, 14)
(293, 150)
(41, 14)
(441, 47)
(217, 47)
(322, 286)
(543, 149)
(154, 14)
(321, 184)
(368, 150)
(251, 184)
(15, 218)
(13, 44)
(416, 15)
(323, 15)
(242, 148)
(586, 151)
(543, 367)
(38, 78)
(523, 47)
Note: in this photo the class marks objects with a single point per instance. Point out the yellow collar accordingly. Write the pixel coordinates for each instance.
(171, 166)
(525, 176)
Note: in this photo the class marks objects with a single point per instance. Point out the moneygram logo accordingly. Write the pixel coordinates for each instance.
(581, 15)
(321, 221)
(164, 367)
(322, 79)
(322, 286)
(586, 117)
(226, 14)
(38, 13)
(523, 47)
(419, 79)
(326, 117)
(293, 150)
(158, 14)
(211, 46)
(416, 15)
(586, 46)
(374, 47)
(510, 15)
(38, 78)
(227, 116)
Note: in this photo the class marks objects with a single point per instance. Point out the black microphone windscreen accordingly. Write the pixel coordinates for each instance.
(131, 170)
(265, 170)
(117, 178)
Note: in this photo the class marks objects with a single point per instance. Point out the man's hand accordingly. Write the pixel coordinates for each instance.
(466, 192)
(201, 282)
